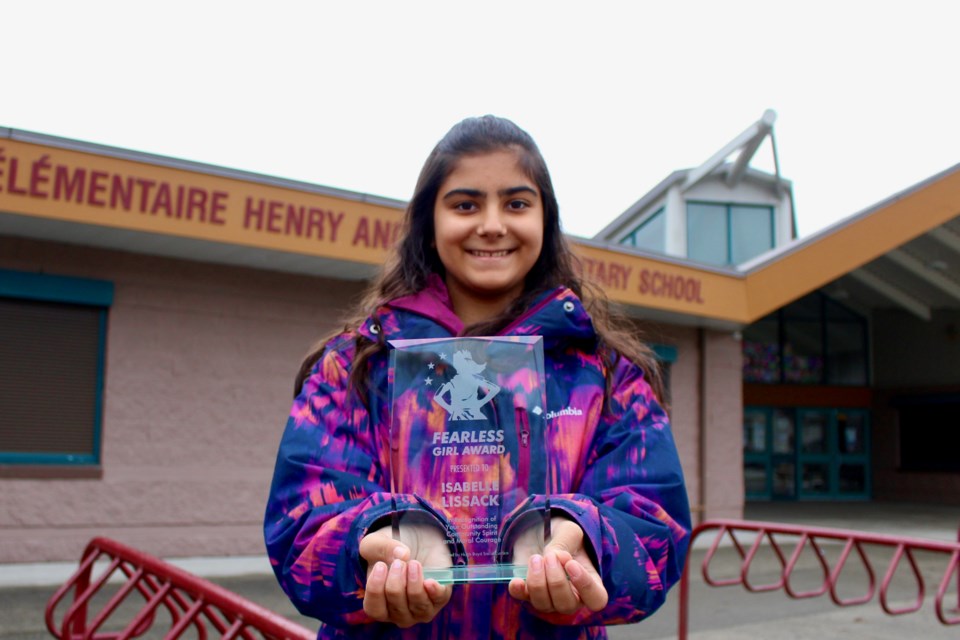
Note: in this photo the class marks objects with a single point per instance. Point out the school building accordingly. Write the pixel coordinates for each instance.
(153, 313)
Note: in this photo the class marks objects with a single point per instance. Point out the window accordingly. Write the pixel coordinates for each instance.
(761, 351)
(813, 340)
(727, 234)
(52, 337)
(651, 234)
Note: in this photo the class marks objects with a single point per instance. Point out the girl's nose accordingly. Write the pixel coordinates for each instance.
(491, 223)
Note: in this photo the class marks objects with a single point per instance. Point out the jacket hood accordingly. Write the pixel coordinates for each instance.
(558, 313)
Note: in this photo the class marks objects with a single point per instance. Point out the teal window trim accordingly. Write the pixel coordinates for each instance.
(729, 222)
(50, 458)
(650, 218)
(631, 238)
(64, 290)
(665, 353)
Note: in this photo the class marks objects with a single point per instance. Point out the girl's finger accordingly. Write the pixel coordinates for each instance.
(593, 595)
(537, 585)
(439, 594)
(376, 547)
(395, 590)
(561, 593)
(374, 601)
(518, 589)
(418, 601)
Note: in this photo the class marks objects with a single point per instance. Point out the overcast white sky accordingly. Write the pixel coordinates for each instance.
(617, 94)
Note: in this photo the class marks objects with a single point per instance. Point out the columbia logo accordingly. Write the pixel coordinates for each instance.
(569, 411)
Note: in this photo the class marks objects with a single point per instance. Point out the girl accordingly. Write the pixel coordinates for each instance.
(481, 253)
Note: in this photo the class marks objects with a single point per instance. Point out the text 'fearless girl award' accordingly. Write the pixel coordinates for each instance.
(467, 440)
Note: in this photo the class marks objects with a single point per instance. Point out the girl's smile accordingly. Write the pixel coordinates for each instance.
(488, 232)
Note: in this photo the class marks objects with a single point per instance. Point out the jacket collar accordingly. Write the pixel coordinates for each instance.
(558, 313)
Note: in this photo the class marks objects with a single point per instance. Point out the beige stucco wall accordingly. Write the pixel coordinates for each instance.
(199, 375)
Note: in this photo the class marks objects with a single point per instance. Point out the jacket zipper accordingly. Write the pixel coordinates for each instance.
(523, 435)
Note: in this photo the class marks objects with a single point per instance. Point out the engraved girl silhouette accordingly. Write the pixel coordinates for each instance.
(464, 388)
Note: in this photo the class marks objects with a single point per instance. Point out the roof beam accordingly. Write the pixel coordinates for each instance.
(947, 237)
(925, 273)
(749, 139)
(746, 154)
(892, 293)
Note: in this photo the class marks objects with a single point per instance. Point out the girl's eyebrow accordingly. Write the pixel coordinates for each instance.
(476, 193)
(512, 191)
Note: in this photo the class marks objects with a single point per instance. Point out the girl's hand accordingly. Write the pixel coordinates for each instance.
(396, 591)
(561, 578)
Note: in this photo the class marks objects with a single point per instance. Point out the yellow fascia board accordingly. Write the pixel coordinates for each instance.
(663, 284)
(63, 184)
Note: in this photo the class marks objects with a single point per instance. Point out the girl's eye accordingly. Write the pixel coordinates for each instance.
(517, 205)
(464, 206)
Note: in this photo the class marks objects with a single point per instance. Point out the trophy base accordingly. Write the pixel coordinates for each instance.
(476, 573)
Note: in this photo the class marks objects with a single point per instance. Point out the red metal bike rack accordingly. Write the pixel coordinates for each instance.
(802, 537)
(142, 584)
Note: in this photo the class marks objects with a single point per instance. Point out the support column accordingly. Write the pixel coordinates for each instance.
(721, 425)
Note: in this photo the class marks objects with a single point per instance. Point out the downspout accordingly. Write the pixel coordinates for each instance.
(702, 427)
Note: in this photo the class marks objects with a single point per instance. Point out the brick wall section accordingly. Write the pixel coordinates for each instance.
(685, 404)
(712, 415)
(199, 376)
(723, 426)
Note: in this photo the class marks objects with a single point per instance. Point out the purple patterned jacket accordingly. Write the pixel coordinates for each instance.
(615, 471)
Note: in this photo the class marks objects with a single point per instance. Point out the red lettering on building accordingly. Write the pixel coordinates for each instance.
(196, 201)
(335, 221)
(121, 192)
(666, 285)
(362, 233)
(295, 214)
(217, 207)
(162, 200)
(96, 188)
(273, 216)
(145, 187)
(385, 233)
(12, 179)
(39, 177)
(610, 275)
(71, 187)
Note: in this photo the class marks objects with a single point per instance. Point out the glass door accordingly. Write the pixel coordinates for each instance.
(814, 456)
(756, 453)
(784, 455)
(806, 454)
(853, 451)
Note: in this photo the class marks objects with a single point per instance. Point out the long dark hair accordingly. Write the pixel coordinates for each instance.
(414, 258)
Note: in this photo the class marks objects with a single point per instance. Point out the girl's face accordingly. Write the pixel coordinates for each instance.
(488, 221)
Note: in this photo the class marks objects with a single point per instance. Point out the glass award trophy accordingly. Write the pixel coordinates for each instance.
(467, 438)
